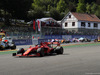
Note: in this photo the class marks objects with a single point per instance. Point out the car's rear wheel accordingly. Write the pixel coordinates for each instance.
(41, 52)
(60, 50)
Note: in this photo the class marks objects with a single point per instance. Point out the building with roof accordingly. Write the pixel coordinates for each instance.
(81, 22)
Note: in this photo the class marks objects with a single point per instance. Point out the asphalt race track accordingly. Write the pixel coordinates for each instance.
(74, 61)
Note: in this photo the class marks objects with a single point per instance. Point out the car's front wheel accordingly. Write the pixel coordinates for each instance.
(2, 47)
(21, 50)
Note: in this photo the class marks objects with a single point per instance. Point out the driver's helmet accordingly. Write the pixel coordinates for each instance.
(41, 43)
(58, 44)
(46, 43)
(5, 40)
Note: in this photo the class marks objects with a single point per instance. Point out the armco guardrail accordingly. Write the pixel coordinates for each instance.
(53, 37)
(29, 41)
(33, 41)
(69, 36)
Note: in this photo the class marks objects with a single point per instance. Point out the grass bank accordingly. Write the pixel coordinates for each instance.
(65, 46)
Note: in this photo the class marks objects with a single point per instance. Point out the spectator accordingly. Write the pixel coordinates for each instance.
(3, 31)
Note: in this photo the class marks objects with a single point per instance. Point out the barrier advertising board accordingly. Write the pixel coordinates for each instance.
(23, 41)
(53, 37)
(66, 37)
(42, 40)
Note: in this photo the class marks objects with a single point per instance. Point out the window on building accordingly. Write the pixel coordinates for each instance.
(88, 24)
(69, 16)
(65, 24)
(73, 23)
(95, 25)
(82, 24)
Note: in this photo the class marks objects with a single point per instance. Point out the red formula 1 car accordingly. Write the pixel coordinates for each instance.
(40, 50)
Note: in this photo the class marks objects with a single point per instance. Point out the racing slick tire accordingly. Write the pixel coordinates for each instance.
(41, 52)
(2, 47)
(13, 46)
(13, 54)
(21, 50)
(59, 51)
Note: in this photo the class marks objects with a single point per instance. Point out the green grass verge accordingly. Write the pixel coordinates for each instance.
(65, 46)
(82, 45)
(7, 52)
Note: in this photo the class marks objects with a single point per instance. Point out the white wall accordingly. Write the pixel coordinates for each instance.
(86, 23)
(77, 23)
(69, 22)
(98, 25)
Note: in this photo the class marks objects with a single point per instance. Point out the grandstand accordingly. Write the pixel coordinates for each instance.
(49, 26)
(19, 31)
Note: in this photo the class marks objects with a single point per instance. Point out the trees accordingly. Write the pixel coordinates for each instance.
(98, 2)
(72, 6)
(19, 9)
(61, 6)
(42, 3)
(98, 11)
(0, 7)
(36, 13)
(16, 9)
(81, 6)
(88, 8)
(94, 7)
(55, 14)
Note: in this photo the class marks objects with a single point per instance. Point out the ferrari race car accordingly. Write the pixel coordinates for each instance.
(40, 50)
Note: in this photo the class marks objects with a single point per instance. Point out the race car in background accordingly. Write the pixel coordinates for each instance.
(84, 39)
(97, 39)
(7, 43)
(42, 49)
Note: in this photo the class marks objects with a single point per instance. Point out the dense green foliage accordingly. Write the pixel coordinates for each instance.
(33, 9)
